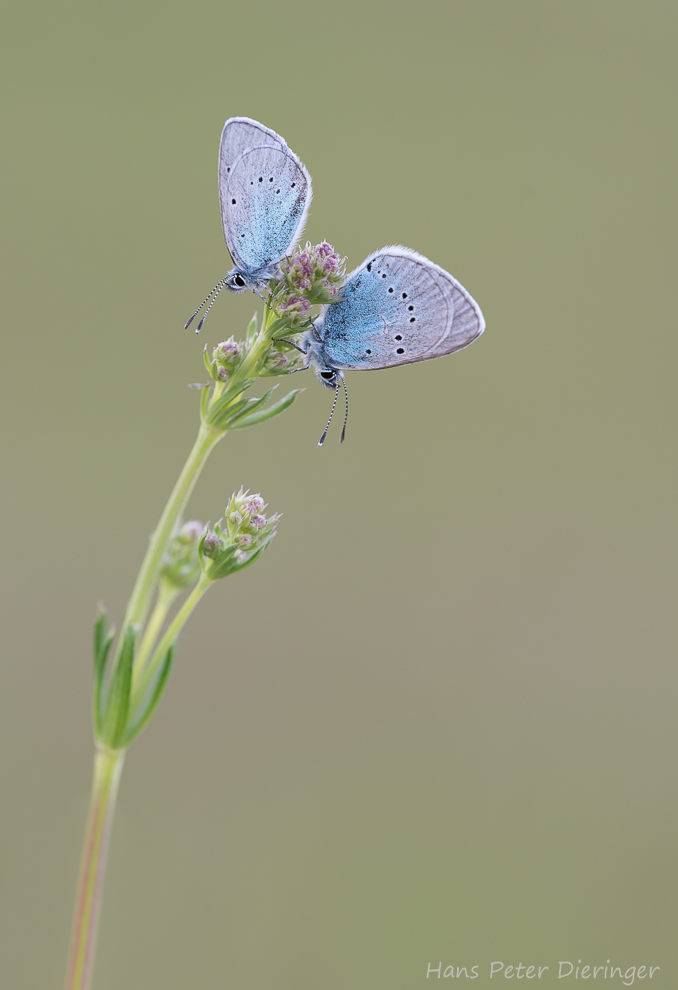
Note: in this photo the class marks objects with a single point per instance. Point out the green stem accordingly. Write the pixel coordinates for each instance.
(137, 608)
(107, 769)
(143, 680)
(166, 595)
(251, 366)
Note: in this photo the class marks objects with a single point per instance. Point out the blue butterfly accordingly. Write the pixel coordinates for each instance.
(265, 193)
(396, 308)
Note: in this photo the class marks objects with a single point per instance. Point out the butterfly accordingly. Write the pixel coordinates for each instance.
(396, 308)
(265, 193)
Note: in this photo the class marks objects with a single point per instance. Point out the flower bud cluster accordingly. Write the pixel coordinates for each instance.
(226, 357)
(239, 538)
(181, 564)
(310, 276)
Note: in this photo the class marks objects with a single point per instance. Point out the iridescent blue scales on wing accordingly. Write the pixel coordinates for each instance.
(264, 206)
(396, 308)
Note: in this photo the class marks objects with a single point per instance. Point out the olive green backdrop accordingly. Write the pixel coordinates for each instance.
(437, 721)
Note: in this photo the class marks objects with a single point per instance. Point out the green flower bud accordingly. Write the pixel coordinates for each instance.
(181, 564)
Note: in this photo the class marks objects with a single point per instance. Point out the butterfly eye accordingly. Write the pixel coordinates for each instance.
(327, 375)
(239, 281)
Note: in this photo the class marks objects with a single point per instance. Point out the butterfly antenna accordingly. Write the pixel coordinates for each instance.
(343, 429)
(217, 288)
(336, 395)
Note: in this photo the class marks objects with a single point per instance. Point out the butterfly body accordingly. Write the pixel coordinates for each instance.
(396, 308)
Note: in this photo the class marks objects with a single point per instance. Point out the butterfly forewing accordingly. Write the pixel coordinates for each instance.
(239, 134)
(264, 206)
(398, 308)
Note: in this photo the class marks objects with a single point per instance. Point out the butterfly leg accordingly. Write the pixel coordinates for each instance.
(284, 340)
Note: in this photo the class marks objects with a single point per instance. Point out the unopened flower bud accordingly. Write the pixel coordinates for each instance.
(226, 351)
(254, 503)
(181, 564)
(212, 544)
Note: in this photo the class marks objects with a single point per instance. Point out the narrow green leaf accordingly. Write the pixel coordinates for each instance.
(270, 412)
(252, 328)
(204, 398)
(236, 407)
(102, 645)
(117, 701)
(219, 407)
(250, 406)
(148, 704)
(208, 361)
(222, 567)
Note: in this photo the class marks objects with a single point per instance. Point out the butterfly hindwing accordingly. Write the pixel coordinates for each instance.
(398, 308)
(264, 206)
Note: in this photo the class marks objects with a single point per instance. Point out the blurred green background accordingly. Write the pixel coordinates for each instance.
(437, 721)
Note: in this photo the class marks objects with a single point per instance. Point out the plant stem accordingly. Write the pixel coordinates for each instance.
(137, 608)
(142, 683)
(166, 595)
(107, 769)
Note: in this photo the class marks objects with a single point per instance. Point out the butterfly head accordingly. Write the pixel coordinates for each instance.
(236, 281)
(313, 346)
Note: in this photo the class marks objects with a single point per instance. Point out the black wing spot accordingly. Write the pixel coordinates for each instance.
(413, 319)
(261, 178)
(400, 350)
(410, 308)
(293, 184)
(252, 182)
(271, 179)
(384, 275)
(242, 235)
(277, 191)
(369, 267)
(398, 336)
(404, 295)
(233, 201)
(368, 351)
(228, 169)
(390, 290)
